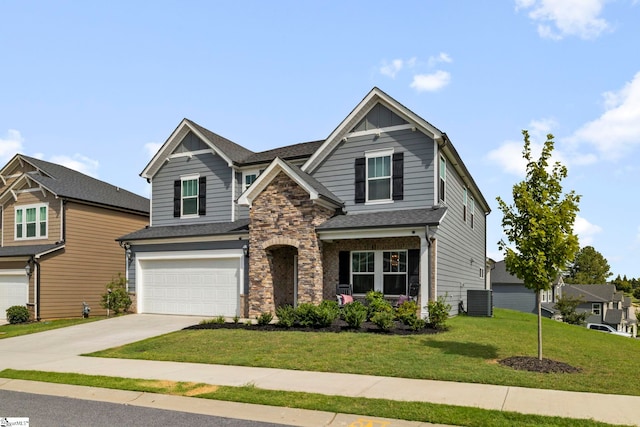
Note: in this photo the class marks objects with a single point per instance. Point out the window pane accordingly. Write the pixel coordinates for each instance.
(379, 166)
(190, 206)
(190, 188)
(19, 216)
(43, 229)
(31, 215)
(43, 213)
(362, 283)
(31, 229)
(363, 262)
(19, 231)
(248, 180)
(395, 284)
(380, 189)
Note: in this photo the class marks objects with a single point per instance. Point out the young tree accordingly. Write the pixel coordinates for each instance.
(588, 268)
(539, 225)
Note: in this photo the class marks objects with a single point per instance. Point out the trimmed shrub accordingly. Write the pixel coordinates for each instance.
(286, 315)
(305, 314)
(264, 318)
(326, 313)
(17, 314)
(418, 324)
(438, 313)
(118, 300)
(354, 313)
(407, 312)
(377, 304)
(383, 320)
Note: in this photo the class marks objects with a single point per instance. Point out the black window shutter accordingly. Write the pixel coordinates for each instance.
(360, 180)
(414, 265)
(398, 176)
(344, 261)
(202, 195)
(177, 193)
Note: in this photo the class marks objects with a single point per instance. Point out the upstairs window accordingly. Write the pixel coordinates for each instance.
(472, 210)
(464, 204)
(443, 179)
(596, 308)
(248, 178)
(189, 196)
(379, 177)
(31, 222)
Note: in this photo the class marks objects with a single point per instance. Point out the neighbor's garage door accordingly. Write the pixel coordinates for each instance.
(199, 287)
(13, 291)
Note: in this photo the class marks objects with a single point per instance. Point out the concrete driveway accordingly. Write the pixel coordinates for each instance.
(28, 351)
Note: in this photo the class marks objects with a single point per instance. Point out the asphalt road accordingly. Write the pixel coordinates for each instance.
(53, 411)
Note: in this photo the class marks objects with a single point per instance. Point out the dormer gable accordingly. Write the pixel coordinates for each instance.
(379, 117)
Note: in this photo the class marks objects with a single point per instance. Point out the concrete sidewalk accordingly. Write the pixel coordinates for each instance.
(58, 351)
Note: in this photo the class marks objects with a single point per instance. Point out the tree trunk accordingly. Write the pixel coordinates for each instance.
(539, 325)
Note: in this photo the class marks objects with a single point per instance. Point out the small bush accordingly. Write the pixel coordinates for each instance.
(325, 313)
(407, 312)
(118, 300)
(265, 318)
(17, 314)
(383, 320)
(220, 320)
(377, 304)
(438, 312)
(354, 313)
(418, 324)
(286, 316)
(236, 319)
(305, 314)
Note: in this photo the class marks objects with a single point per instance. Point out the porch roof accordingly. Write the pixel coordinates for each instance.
(386, 219)
(191, 230)
(29, 250)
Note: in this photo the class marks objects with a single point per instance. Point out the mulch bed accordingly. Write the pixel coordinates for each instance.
(336, 327)
(533, 364)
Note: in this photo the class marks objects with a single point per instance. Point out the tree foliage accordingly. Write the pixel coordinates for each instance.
(567, 305)
(589, 267)
(539, 225)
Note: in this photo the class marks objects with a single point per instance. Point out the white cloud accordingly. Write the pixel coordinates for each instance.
(617, 130)
(151, 148)
(392, 68)
(431, 82)
(79, 163)
(559, 18)
(10, 145)
(585, 231)
(442, 57)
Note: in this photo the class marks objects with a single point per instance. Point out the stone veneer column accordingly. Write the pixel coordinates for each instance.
(283, 214)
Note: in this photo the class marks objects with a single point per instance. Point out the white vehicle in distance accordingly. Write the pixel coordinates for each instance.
(607, 329)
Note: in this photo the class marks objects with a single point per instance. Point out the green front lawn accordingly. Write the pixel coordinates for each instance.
(8, 331)
(468, 352)
(412, 411)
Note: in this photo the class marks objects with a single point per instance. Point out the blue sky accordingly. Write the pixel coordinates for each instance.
(99, 86)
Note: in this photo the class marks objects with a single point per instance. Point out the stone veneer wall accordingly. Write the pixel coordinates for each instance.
(284, 215)
(331, 251)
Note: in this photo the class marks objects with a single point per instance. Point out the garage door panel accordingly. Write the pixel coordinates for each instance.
(191, 287)
(13, 291)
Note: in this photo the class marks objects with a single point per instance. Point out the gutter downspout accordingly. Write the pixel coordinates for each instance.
(36, 282)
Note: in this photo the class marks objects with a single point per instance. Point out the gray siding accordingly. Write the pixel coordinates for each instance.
(379, 117)
(514, 297)
(337, 171)
(461, 249)
(219, 198)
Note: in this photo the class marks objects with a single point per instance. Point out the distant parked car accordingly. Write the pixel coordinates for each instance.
(607, 329)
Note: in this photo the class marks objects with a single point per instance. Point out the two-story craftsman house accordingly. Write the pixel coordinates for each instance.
(382, 202)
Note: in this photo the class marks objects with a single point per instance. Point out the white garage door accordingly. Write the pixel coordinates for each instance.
(13, 291)
(197, 287)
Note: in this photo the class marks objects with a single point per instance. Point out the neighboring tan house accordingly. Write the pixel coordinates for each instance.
(510, 292)
(604, 304)
(58, 231)
(382, 202)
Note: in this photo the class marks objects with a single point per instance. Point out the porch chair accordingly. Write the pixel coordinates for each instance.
(414, 288)
(344, 293)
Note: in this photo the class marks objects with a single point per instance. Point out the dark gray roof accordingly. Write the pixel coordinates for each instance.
(549, 306)
(613, 316)
(235, 152)
(499, 274)
(389, 219)
(191, 230)
(590, 293)
(30, 250)
(71, 184)
(323, 192)
(291, 152)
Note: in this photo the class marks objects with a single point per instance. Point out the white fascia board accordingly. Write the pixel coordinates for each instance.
(372, 233)
(208, 254)
(276, 166)
(192, 239)
(41, 254)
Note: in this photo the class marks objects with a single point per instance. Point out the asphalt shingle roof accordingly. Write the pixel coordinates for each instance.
(235, 152)
(390, 219)
(322, 191)
(590, 293)
(291, 152)
(29, 250)
(191, 230)
(613, 316)
(68, 183)
(499, 274)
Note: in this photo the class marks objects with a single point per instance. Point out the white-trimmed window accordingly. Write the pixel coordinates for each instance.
(248, 178)
(31, 221)
(464, 204)
(384, 271)
(472, 210)
(189, 198)
(596, 308)
(379, 175)
(443, 179)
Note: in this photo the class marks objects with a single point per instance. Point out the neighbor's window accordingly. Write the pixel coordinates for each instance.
(379, 177)
(596, 308)
(248, 178)
(443, 178)
(189, 196)
(363, 268)
(31, 222)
